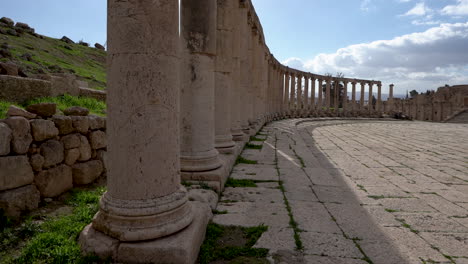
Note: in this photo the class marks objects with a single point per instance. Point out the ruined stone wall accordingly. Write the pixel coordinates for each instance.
(437, 107)
(43, 155)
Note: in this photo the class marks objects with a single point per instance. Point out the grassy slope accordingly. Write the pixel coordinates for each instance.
(88, 64)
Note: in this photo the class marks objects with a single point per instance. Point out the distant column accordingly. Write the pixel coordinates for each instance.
(353, 96)
(379, 97)
(299, 96)
(306, 110)
(345, 97)
(287, 97)
(361, 103)
(292, 97)
(371, 96)
(312, 94)
(320, 95)
(336, 95)
(390, 101)
(328, 94)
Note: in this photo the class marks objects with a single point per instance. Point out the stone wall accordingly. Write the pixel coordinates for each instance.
(43, 155)
(438, 106)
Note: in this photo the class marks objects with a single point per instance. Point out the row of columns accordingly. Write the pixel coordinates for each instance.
(179, 103)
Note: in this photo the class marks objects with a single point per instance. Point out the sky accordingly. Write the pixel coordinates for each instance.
(415, 44)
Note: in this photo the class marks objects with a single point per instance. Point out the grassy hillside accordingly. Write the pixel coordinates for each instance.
(49, 55)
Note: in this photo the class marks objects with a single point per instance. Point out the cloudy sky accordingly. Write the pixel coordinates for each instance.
(415, 44)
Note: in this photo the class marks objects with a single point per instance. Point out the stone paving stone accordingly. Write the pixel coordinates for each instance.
(312, 216)
(442, 205)
(253, 214)
(452, 244)
(407, 205)
(331, 194)
(276, 238)
(253, 173)
(384, 252)
(432, 222)
(312, 259)
(333, 245)
(383, 217)
(320, 176)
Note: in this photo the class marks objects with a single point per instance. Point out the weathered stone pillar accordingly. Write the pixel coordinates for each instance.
(292, 97)
(370, 101)
(286, 94)
(236, 89)
(379, 98)
(361, 100)
(312, 95)
(391, 106)
(306, 110)
(299, 106)
(145, 208)
(345, 98)
(245, 72)
(328, 94)
(353, 96)
(198, 153)
(320, 95)
(223, 78)
(336, 95)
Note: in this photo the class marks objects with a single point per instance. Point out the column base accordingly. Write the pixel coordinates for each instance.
(181, 247)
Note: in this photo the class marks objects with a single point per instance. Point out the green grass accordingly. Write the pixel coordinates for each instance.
(242, 160)
(255, 138)
(239, 183)
(63, 102)
(4, 105)
(212, 251)
(253, 146)
(55, 240)
(88, 64)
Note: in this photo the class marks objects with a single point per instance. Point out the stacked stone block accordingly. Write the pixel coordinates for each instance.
(43, 155)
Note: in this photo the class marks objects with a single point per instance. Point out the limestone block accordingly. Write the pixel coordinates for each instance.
(16, 111)
(55, 181)
(85, 149)
(96, 122)
(64, 83)
(43, 129)
(22, 138)
(13, 202)
(5, 139)
(37, 162)
(71, 141)
(64, 124)
(71, 156)
(102, 156)
(15, 172)
(98, 139)
(19, 89)
(52, 151)
(93, 242)
(43, 109)
(208, 197)
(76, 111)
(80, 123)
(85, 173)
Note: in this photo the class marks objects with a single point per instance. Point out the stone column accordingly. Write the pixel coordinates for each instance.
(292, 97)
(223, 68)
(336, 95)
(328, 94)
(198, 153)
(391, 106)
(299, 106)
(379, 97)
(145, 207)
(320, 95)
(245, 62)
(345, 98)
(369, 101)
(236, 90)
(287, 83)
(312, 95)
(361, 103)
(353, 96)
(306, 103)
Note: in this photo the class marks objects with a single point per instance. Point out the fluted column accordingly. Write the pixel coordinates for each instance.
(300, 104)
(292, 97)
(306, 110)
(236, 89)
(144, 198)
(320, 95)
(369, 102)
(245, 70)
(345, 98)
(353, 97)
(379, 97)
(361, 101)
(391, 101)
(198, 153)
(336, 95)
(312, 95)
(328, 94)
(287, 97)
(223, 78)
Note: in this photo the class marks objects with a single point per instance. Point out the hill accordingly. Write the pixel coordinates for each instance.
(35, 53)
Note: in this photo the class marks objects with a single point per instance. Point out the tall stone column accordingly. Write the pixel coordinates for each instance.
(223, 78)
(353, 96)
(391, 107)
(345, 98)
(299, 106)
(245, 72)
(336, 95)
(320, 95)
(287, 84)
(379, 97)
(306, 110)
(292, 97)
(236, 89)
(145, 206)
(328, 94)
(198, 153)
(369, 101)
(361, 101)
(312, 95)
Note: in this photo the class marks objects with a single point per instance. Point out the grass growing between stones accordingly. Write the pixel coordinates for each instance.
(4, 105)
(233, 244)
(253, 146)
(54, 239)
(239, 183)
(65, 101)
(255, 138)
(242, 160)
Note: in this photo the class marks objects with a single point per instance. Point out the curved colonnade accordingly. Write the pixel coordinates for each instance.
(188, 85)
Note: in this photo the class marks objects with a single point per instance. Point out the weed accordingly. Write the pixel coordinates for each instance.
(253, 146)
(63, 102)
(219, 212)
(391, 210)
(4, 105)
(255, 138)
(239, 183)
(243, 160)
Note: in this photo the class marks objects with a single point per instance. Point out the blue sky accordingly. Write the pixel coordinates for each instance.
(416, 44)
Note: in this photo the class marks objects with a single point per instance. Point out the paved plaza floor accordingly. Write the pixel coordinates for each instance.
(356, 191)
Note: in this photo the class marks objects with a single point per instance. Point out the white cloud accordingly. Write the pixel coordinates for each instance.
(420, 9)
(418, 61)
(460, 9)
(426, 23)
